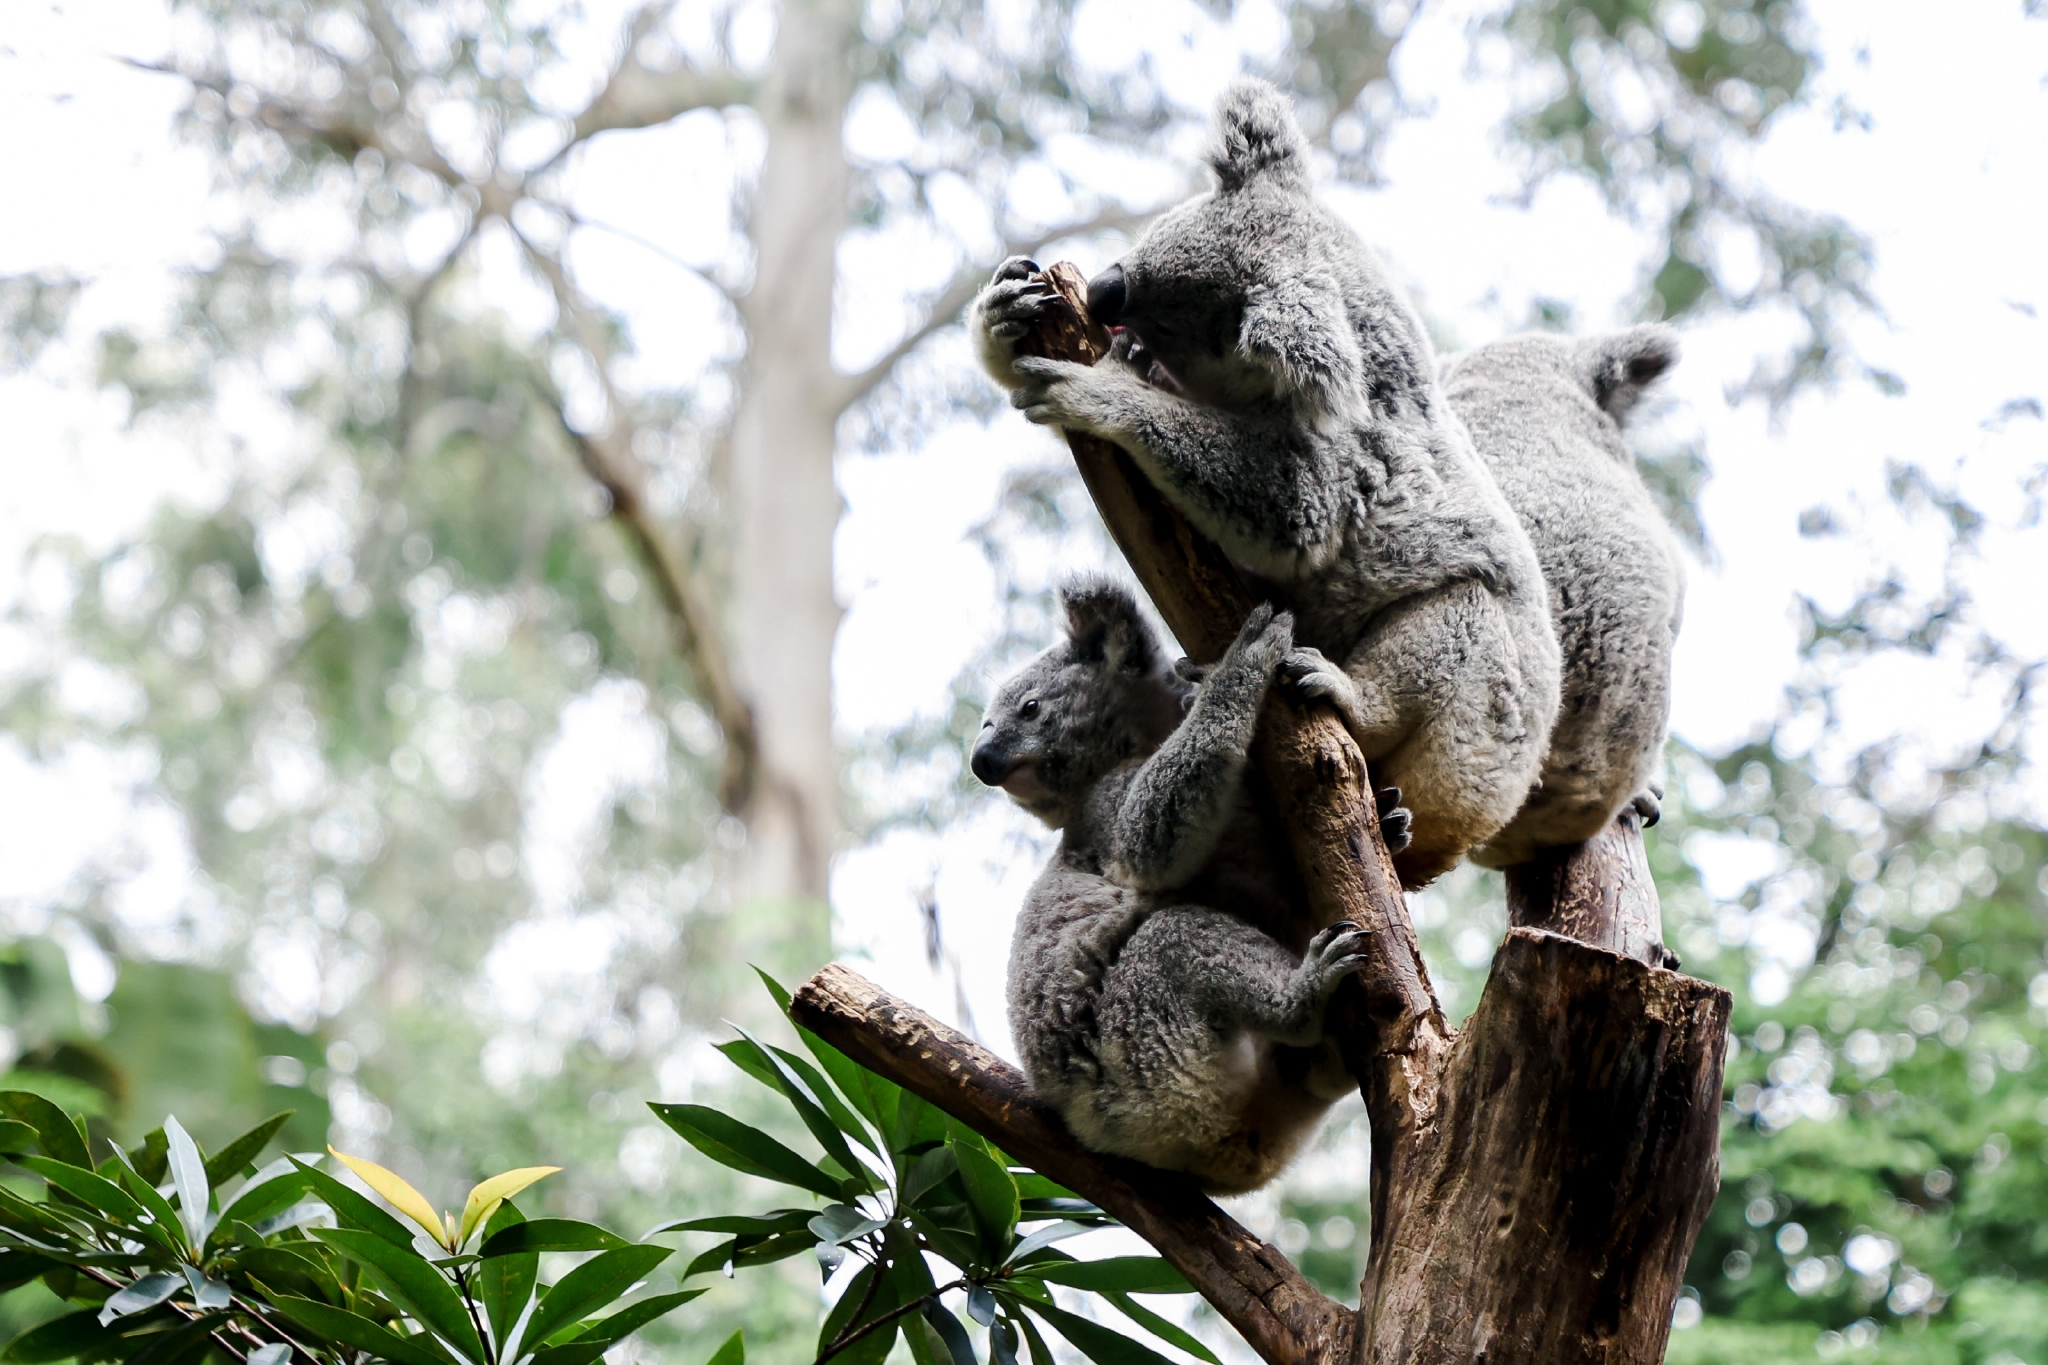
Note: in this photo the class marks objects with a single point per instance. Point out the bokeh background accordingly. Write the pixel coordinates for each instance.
(501, 531)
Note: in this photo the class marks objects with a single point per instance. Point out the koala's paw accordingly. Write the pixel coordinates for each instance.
(1060, 393)
(1335, 954)
(1016, 298)
(1187, 670)
(1649, 805)
(1313, 677)
(1395, 818)
(1263, 641)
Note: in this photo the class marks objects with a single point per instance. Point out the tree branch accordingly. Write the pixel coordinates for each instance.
(1251, 1284)
(608, 457)
(959, 292)
(635, 95)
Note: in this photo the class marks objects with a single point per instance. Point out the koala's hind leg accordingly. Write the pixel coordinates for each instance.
(1482, 718)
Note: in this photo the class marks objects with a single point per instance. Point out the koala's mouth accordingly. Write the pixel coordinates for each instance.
(1023, 784)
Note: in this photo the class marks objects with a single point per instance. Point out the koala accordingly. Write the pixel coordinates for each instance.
(1274, 386)
(1166, 994)
(1546, 414)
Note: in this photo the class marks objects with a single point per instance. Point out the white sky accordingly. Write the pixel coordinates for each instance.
(1951, 183)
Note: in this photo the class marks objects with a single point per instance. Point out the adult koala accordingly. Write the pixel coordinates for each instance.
(1546, 414)
(1274, 386)
(1166, 996)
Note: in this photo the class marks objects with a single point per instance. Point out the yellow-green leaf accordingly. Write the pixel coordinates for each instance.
(397, 1194)
(485, 1198)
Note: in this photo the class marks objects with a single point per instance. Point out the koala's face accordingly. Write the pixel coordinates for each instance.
(1177, 302)
(1084, 706)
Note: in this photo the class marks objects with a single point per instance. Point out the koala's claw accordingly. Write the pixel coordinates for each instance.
(1187, 670)
(1395, 819)
(1016, 268)
(1013, 306)
(1337, 952)
(1312, 676)
(1648, 805)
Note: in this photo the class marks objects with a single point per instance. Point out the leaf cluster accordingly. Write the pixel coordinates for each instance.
(163, 1254)
(906, 1187)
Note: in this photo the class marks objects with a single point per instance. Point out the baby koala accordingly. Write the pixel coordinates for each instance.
(1274, 386)
(1546, 414)
(1166, 994)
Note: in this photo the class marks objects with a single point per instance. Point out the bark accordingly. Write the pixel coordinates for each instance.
(786, 506)
(1538, 1180)
(1599, 892)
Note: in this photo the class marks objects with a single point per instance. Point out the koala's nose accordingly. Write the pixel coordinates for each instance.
(990, 764)
(1107, 295)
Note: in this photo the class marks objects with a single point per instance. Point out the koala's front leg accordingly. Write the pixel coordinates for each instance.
(1004, 313)
(1290, 1008)
(1103, 400)
(1169, 817)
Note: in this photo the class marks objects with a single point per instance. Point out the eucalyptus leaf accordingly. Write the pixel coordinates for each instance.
(950, 1331)
(411, 1283)
(599, 1281)
(549, 1234)
(1100, 1344)
(1119, 1274)
(230, 1160)
(353, 1329)
(734, 1352)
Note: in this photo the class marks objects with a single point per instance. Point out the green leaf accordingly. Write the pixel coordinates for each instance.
(188, 1173)
(570, 1353)
(1002, 1343)
(353, 1329)
(505, 1282)
(990, 1192)
(734, 1352)
(16, 1136)
(763, 1224)
(1160, 1327)
(96, 1191)
(1041, 1354)
(950, 1331)
(1100, 1344)
(590, 1286)
(352, 1209)
(152, 1157)
(741, 1252)
(230, 1160)
(630, 1319)
(550, 1234)
(1117, 1274)
(1045, 1237)
(146, 1195)
(828, 1095)
(927, 1173)
(842, 1223)
(407, 1279)
(146, 1293)
(856, 1298)
(17, 1267)
(58, 1136)
(274, 1189)
(768, 1069)
(926, 1346)
(73, 1336)
(731, 1143)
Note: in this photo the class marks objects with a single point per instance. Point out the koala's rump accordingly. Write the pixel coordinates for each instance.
(1178, 1089)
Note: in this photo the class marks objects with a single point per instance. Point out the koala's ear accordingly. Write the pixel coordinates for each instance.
(1257, 138)
(1298, 329)
(1105, 626)
(1617, 369)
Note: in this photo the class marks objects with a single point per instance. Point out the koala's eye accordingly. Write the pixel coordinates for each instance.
(1029, 709)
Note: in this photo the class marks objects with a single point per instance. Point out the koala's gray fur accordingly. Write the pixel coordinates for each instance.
(1275, 386)
(1166, 995)
(1546, 414)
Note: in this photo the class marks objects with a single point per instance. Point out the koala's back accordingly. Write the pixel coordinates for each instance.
(1546, 427)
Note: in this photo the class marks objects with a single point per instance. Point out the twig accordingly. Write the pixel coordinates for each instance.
(845, 1341)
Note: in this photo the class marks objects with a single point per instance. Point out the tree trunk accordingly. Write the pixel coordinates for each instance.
(1538, 1180)
(786, 504)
